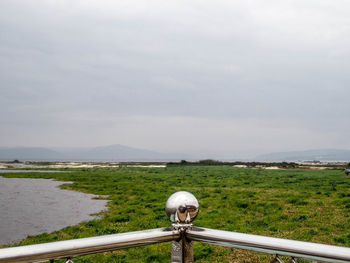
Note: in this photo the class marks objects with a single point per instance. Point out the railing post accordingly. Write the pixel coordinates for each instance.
(182, 208)
(182, 251)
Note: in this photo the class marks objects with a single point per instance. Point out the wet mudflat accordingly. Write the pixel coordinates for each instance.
(34, 206)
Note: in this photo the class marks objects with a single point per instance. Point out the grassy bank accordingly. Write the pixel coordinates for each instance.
(310, 205)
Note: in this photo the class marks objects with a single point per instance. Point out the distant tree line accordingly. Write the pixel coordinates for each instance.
(210, 162)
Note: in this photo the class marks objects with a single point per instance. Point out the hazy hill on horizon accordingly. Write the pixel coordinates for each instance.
(118, 152)
(29, 153)
(308, 155)
(114, 152)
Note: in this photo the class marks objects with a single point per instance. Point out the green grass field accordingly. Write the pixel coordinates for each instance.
(308, 205)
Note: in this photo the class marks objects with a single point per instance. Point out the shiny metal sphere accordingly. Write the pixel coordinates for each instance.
(182, 207)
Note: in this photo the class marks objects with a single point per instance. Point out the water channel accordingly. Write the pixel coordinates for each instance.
(34, 206)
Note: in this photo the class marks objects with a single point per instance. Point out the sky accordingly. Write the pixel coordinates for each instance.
(229, 78)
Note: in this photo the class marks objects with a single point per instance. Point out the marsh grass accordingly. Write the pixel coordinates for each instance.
(308, 205)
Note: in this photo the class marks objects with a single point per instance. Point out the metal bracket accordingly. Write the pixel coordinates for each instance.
(277, 259)
(181, 227)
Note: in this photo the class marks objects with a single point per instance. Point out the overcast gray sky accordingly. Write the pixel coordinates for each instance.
(232, 78)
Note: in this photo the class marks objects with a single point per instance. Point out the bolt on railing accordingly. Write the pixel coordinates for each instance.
(181, 208)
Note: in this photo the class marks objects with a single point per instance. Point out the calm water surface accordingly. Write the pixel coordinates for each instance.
(34, 206)
(5, 171)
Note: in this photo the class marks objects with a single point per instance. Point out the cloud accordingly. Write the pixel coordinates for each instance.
(253, 63)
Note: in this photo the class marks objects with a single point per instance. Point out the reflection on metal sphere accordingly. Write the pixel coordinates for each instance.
(182, 207)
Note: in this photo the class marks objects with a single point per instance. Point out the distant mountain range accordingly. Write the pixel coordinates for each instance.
(119, 152)
(309, 155)
(115, 152)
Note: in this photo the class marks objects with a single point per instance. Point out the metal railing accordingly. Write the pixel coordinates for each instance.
(182, 208)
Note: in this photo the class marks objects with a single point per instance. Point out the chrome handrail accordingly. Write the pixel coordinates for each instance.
(182, 209)
(271, 245)
(84, 246)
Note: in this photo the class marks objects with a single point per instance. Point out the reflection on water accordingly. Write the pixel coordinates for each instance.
(34, 206)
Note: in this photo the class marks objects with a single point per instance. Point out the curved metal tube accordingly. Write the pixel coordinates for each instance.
(83, 246)
(271, 245)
